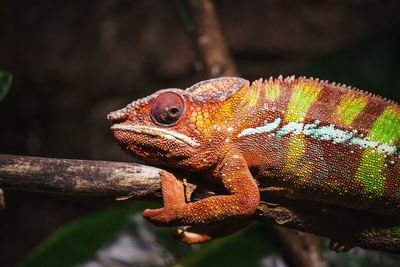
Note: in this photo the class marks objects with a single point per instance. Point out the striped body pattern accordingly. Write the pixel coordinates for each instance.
(325, 142)
(300, 138)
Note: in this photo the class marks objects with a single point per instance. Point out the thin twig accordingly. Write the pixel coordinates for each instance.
(210, 41)
(304, 251)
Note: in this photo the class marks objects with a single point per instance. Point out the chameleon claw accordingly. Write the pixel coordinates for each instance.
(183, 235)
(339, 246)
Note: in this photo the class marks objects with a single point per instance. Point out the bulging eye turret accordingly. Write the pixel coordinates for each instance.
(167, 109)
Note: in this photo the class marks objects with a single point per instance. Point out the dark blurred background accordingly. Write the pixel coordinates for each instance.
(74, 61)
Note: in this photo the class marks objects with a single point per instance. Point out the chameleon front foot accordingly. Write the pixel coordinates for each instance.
(174, 201)
(164, 216)
(240, 202)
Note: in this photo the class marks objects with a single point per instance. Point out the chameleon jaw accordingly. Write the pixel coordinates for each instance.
(158, 132)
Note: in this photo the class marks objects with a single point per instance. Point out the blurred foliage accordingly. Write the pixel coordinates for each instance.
(5, 83)
(120, 237)
(94, 238)
(246, 248)
(79, 240)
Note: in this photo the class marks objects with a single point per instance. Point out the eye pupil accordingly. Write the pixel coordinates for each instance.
(167, 109)
(174, 111)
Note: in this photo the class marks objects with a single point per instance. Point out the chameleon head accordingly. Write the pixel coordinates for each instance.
(177, 128)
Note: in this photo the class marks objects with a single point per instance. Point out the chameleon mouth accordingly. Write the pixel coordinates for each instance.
(158, 132)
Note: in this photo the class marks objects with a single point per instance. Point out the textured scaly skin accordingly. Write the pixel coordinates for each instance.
(297, 137)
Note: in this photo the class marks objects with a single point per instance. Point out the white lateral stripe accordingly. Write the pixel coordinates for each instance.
(322, 133)
(154, 131)
(266, 128)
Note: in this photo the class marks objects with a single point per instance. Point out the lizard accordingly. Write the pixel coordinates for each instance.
(300, 138)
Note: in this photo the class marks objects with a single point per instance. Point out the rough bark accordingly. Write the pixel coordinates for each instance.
(141, 182)
(209, 40)
(85, 177)
(300, 253)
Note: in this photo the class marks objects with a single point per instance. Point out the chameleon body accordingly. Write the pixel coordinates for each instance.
(297, 137)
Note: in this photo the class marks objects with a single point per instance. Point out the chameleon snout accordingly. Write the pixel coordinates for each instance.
(117, 116)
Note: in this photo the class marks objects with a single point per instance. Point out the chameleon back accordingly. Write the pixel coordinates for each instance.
(310, 139)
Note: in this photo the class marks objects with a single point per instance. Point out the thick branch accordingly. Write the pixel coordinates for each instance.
(117, 179)
(79, 177)
(142, 182)
(349, 227)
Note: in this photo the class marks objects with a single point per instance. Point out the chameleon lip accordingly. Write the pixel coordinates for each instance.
(154, 131)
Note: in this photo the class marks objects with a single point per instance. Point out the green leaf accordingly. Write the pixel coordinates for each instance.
(5, 82)
(249, 247)
(120, 236)
(99, 237)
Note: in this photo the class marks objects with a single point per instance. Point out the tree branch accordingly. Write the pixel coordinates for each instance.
(141, 182)
(76, 177)
(349, 227)
(305, 252)
(209, 40)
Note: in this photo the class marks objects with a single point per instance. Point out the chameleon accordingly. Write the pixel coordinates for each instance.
(300, 138)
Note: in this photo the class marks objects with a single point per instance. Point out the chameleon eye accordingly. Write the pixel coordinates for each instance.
(167, 109)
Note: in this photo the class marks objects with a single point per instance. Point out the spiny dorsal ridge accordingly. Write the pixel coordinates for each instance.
(258, 82)
(391, 101)
(290, 79)
(340, 86)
